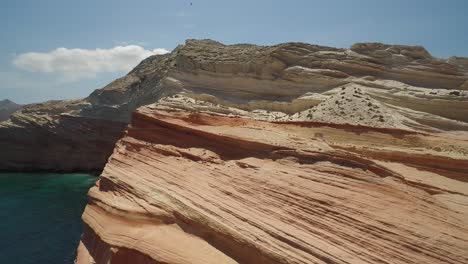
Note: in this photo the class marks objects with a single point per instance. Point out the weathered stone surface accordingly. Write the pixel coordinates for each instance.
(199, 182)
(293, 153)
(57, 143)
(77, 135)
(288, 79)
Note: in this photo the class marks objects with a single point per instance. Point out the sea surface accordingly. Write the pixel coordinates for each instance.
(40, 216)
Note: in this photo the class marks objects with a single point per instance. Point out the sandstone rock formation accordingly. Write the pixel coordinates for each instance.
(7, 107)
(198, 182)
(293, 153)
(289, 154)
(411, 89)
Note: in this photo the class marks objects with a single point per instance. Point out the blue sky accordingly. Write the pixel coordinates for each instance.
(143, 26)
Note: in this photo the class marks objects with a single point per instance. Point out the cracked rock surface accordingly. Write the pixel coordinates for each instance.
(194, 182)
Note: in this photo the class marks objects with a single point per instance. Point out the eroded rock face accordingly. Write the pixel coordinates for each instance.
(292, 69)
(290, 79)
(78, 135)
(199, 182)
(293, 153)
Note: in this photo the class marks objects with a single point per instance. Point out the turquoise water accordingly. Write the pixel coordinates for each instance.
(40, 216)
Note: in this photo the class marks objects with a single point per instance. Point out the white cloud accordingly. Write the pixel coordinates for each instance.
(75, 64)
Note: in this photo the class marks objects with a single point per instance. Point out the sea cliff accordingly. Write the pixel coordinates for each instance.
(292, 153)
(411, 89)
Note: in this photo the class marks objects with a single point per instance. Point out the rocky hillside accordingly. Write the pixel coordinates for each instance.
(7, 107)
(197, 182)
(403, 87)
(293, 153)
(400, 87)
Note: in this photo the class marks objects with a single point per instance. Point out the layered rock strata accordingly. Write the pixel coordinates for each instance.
(77, 135)
(197, 182)
(411, 89)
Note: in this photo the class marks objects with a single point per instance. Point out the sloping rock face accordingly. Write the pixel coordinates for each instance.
(199, 182)
(77, 135)
(289, 79)
(429, 89)
(7, 107)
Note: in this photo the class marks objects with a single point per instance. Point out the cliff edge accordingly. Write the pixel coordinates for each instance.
(293, 153)
(400, 87)
(197, 182)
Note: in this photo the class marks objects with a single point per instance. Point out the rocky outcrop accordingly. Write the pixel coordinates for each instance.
(200, 182)
(57, 143)
(353, 106)
(78, 135)
(293, 153)
(7, 107)
(412, 89)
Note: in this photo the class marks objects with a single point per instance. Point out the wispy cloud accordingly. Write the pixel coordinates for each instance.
(76, 64)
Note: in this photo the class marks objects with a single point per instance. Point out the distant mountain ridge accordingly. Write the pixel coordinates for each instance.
(7, 107)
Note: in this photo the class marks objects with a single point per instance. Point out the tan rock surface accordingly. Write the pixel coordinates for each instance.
(198, 182)
(416, 90)
(293, 153)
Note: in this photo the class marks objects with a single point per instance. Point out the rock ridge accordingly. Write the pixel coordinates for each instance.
(424, 92)
(7, 107)
(195, 182)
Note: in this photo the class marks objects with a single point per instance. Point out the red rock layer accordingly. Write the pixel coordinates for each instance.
(424, 93)
(198, 188)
